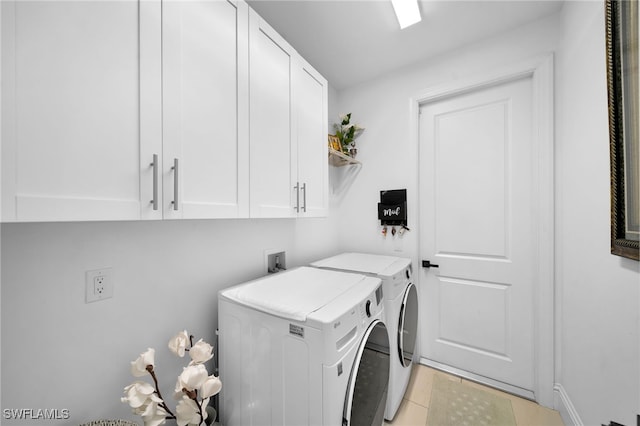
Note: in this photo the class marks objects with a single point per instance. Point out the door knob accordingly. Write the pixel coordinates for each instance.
(428, 264)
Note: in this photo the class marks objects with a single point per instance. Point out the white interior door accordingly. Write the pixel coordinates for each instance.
(478, 225)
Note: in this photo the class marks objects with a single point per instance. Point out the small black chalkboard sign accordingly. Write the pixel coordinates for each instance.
(392, 208)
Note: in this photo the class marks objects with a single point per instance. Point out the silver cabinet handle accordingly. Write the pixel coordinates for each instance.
(175, 183)
(297, 188)
(304, 197)
(154, 165)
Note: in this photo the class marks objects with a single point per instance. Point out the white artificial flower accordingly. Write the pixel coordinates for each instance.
(192, 377)
(188, 412)
(154, 415)
(179, 343)
(194, 383)
(210, 387)
(138, 393)
(201, 352)
(142, 398)
(139, 366)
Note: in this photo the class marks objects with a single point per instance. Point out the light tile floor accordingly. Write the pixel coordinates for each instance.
(415, 406)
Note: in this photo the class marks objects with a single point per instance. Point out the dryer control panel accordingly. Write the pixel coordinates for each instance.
(372, 305)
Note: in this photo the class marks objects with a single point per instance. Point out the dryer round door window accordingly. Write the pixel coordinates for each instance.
(366, 397)
(408, 325)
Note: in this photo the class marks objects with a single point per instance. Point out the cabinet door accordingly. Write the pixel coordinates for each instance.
(310, 100)
(271, 125)
(204, 45)
(71, 101)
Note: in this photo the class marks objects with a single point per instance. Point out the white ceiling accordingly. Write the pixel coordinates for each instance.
(352, 41)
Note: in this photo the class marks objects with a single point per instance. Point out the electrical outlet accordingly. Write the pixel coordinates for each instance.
(98, 285)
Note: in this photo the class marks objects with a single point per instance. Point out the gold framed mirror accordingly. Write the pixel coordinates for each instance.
(624, 117)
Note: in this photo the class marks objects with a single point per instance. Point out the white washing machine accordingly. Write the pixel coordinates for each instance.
(303, 347)
(401, 312)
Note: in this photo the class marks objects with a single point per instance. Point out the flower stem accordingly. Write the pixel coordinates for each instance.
(194, 396)
(199, 408)
(155, 381)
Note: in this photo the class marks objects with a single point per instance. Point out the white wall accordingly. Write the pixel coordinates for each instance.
(388, 153)
(58, 352)
(598, 293)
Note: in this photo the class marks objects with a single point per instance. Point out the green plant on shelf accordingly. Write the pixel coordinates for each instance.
(347, 132)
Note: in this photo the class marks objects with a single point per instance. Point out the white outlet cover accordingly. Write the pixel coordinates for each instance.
(91, 295)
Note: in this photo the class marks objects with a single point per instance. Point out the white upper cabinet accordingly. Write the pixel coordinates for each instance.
(310, 100)
(125, 110)
(205, 109)
(70, 103)
(288, 128)
(129, 110)
(271, 121)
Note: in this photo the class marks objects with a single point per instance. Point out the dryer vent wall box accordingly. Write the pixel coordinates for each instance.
(275, 260)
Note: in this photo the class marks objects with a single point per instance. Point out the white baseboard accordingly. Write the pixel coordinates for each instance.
(563, 404)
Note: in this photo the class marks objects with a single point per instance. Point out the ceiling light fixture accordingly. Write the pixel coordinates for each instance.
(407, 11)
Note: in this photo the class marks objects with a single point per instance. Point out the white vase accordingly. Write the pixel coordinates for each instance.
(211, 416)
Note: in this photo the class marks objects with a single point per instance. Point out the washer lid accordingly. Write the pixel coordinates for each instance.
(293, 294)
(364, 263)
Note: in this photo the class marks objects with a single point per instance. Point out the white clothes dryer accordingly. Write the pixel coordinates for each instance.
(296, 349)
(401, 312)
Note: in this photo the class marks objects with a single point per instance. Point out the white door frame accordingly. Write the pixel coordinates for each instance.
(540, 70)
